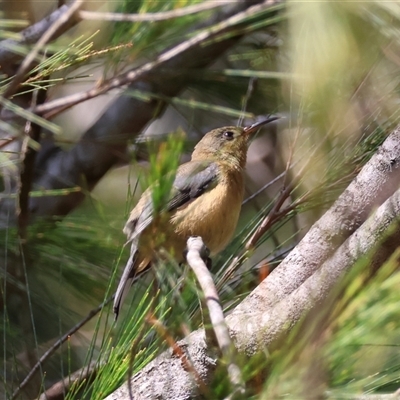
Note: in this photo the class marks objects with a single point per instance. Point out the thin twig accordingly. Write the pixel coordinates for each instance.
(151, 17)
(272, 219)
(45, 38)
(56, 106)
(266, 223)
(285, 193)
(267, 185)
(246, 98)
(196, 252)
(58, 344)
(291, 153)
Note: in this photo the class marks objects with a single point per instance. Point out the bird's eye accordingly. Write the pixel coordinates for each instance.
(228, 135)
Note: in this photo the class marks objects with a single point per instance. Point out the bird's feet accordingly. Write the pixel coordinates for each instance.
(204, 254)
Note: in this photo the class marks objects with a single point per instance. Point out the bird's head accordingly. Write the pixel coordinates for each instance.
(228, 144)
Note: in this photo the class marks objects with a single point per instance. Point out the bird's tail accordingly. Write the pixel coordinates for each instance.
(133, 270)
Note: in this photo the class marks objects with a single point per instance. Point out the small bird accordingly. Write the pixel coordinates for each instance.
(205, 200)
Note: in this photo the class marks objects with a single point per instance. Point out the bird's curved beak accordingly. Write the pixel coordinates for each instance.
(254, 127)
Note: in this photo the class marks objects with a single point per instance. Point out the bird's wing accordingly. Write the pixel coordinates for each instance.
(140, 217)
(192, 180)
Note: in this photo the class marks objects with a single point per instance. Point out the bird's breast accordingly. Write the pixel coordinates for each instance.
(213, 215)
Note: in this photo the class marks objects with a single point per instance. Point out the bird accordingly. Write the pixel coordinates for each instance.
(205, 200)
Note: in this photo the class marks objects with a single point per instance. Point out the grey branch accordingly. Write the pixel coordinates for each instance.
(304, 279)
(150, 17)
(196, 249)
(10, 49)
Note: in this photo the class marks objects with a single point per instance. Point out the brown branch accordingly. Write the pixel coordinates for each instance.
(271, 219)
(28, 154)
(266, 223)
(266, 186)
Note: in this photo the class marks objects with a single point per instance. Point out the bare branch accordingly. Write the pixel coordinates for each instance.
(266, 186)
(266, 223)
(194, 257)
(152, 17)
